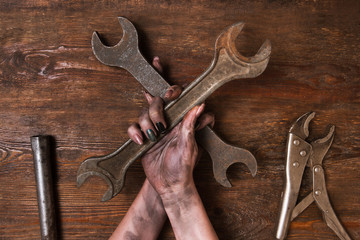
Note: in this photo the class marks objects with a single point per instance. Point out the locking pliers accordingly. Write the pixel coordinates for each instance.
(300, 154)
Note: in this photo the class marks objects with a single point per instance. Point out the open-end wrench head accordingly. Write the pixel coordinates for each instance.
(239, 155)
(117, 55)
(254, 65)
(301, 126)
(93, 167)
(224, 155)
(81, 178)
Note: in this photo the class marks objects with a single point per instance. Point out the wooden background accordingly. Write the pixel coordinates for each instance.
(51, 83)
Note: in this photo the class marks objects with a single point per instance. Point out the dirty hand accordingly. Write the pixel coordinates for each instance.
(169, 164)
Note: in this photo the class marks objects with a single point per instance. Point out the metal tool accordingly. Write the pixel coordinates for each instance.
(227, 65)
(156, 85)
(299, 154)
(223, 155)
(42, 162)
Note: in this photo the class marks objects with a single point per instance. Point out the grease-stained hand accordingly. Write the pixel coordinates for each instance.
(169, 164)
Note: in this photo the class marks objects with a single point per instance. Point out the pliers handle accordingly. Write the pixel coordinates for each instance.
(320, 196)
(322, 200)
(298, 151)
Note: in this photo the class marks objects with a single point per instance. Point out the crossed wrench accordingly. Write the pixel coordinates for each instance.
(228, 64)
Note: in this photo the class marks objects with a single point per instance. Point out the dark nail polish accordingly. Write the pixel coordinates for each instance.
(160, 127)
(151, 135)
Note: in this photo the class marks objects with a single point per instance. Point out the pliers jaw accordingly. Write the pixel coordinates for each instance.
(301, 126)
(320, 147)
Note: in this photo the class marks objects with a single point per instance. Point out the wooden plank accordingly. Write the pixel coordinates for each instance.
(50, 83)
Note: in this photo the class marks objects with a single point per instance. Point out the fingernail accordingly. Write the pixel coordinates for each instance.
(160, 127)
(168, 94)
(138, 140)
(151, 135)
(200, 108)
(147, 96)
(157, 64)
(156, 60)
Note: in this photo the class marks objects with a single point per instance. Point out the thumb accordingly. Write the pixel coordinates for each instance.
(189, 121)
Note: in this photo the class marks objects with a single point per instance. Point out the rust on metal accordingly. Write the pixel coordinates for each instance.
(228, 64)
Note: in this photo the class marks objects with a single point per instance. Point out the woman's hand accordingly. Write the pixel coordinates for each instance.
(169, 164)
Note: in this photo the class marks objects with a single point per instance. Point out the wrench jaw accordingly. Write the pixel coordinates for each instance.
(251, 163)
(252, 66)
(224, 155)
(81, 178)
(116, 55)
(240, 156)
(227, 39)
(91, 167)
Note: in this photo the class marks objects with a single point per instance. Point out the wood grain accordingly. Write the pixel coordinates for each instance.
(51, 83)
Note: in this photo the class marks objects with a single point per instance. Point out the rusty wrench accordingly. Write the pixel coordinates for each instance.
(227, 65)
(126, 54)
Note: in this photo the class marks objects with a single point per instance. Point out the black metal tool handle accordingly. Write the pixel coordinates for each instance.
(42, 162)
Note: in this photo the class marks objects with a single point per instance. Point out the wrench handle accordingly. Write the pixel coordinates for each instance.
(147, 75)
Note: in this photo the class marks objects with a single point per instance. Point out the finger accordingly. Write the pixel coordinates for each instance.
(156, 114)
(189, 121)
(169, 137)
(204, 120)
(149, 97)
(172, 93)
(147, 125)
(157, 64)
(135, 134)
